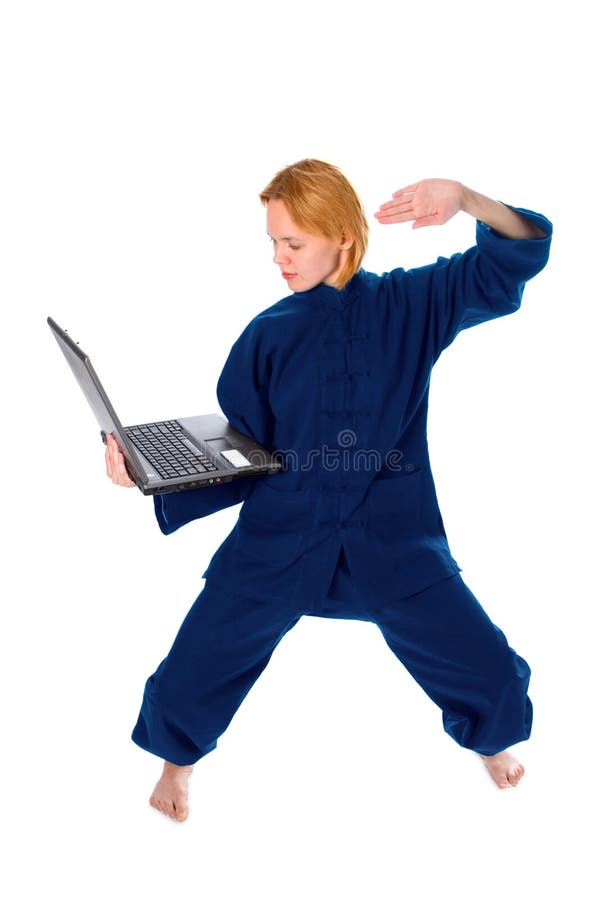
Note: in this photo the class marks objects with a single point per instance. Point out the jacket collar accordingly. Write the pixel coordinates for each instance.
(329, 296)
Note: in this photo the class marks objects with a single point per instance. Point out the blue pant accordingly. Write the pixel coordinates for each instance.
(442, 635)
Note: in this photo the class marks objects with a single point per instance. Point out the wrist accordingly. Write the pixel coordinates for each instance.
(471, 202)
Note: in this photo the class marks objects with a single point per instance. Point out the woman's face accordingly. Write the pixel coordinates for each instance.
(305, 259)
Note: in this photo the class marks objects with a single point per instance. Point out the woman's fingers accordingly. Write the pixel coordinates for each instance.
(115, 464)
(393, 211)
(393, 219)
(431, 201)
(401, 202)
(400, 208)
(409, 189)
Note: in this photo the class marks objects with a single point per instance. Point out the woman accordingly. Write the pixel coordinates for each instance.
(334, 378)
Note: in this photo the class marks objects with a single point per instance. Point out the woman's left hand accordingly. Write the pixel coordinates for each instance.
(429, 202)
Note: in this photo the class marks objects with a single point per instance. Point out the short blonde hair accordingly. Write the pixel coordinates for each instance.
(321, 200)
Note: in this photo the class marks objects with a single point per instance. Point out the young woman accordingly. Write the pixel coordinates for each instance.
(334, 378)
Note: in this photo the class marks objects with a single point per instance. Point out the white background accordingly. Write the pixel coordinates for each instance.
(136, 138)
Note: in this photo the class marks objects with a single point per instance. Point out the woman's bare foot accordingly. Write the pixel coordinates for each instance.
(170, 796)
(504, 768)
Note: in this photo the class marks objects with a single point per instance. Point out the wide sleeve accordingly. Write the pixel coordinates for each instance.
(242, 396)
(243, 386)
(176, 509)
(483, 283)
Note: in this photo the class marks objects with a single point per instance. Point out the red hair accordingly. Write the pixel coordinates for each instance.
(321, 200)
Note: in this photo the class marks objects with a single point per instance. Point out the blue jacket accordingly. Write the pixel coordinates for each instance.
(337, 383)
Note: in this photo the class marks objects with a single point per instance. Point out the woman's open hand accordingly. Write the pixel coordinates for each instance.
(115, 464)
(429, 202)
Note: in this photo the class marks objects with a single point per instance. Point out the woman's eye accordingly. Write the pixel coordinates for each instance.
(290, 246)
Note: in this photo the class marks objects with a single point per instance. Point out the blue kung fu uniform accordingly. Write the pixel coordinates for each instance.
(336, 383)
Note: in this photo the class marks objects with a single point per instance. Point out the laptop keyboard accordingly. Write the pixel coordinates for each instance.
(165, 445)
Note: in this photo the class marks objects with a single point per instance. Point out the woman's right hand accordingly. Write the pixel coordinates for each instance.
(115, 464)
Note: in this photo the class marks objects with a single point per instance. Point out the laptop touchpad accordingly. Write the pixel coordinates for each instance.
(218, 444)
(229, 453)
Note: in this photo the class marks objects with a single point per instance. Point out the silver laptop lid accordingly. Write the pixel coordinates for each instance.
(100, 404)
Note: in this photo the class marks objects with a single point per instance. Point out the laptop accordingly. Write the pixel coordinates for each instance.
(175, 454)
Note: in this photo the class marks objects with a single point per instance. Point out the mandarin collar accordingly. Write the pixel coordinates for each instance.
(330, 296)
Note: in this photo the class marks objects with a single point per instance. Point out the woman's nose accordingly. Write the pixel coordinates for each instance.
(280, 256)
